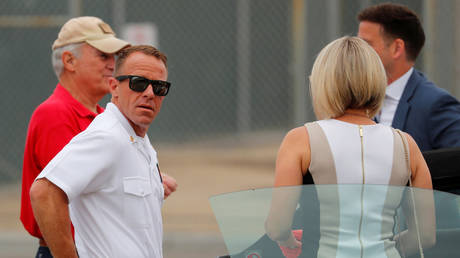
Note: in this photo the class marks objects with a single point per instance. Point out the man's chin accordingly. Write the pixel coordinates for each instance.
(105, 89)
(145, 122)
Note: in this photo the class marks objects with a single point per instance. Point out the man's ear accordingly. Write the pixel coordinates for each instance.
(398, 48)
(114, 86)
(68, 60)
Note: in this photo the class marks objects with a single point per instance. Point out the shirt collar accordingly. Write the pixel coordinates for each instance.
(396, 88)
(81, 110)
(133, 137)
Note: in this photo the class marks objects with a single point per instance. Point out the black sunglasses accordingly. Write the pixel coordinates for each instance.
(140, 84)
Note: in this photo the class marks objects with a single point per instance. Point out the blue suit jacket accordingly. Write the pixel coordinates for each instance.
(429, 114)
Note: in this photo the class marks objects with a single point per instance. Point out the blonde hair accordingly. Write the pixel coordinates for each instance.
(347, 74)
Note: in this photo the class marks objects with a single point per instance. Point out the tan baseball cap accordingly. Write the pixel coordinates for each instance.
(91, 30)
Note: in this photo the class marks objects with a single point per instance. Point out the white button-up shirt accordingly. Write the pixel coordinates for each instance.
(393, 94)
(111, 178)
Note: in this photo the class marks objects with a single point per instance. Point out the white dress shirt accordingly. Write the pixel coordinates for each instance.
(115, 193)
(393, 94)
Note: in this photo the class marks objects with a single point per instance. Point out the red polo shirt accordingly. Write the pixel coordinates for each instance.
(52, 125)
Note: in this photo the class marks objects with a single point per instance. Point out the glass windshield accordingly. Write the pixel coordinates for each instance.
(339, 221)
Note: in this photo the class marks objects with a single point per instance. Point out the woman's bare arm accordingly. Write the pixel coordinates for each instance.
(293, 158)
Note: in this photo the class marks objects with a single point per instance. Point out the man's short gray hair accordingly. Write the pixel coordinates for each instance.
(56, 56)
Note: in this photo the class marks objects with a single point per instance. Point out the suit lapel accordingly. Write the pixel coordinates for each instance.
(399, 120)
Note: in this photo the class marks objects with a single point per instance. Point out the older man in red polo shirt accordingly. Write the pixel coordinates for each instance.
(83, 60)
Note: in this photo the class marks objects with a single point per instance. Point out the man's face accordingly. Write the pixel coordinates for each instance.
(372, 33)
(93, 70)
(140, 108)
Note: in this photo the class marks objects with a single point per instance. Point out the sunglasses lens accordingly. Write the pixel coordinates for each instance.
(160, 89)
(138, 84)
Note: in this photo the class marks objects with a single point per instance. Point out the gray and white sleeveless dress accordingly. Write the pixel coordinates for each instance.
(356, 219)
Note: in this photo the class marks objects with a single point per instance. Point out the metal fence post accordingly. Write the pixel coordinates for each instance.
(299, 55)
(243, 41)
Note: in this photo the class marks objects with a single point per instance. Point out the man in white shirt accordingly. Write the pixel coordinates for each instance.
(412, 103)
(107, 179)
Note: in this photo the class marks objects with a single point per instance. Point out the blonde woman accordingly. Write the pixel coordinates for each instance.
(345, 146)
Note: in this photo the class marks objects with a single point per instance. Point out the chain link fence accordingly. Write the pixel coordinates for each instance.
(237, 66)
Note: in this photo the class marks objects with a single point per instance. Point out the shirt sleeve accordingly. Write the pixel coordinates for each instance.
(84, 165)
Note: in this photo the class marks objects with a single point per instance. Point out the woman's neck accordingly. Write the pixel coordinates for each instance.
(356, 116)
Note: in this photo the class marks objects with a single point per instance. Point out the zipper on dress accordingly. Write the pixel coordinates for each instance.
(362, 153)
(362, 190)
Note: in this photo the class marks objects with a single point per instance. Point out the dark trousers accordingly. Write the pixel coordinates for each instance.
(43, 252)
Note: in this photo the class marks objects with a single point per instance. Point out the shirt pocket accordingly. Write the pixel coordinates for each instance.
(137, 192)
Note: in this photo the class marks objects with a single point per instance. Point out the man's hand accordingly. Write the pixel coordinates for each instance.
(169, 184)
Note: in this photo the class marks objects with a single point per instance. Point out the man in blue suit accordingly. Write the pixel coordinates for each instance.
(412, 102)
